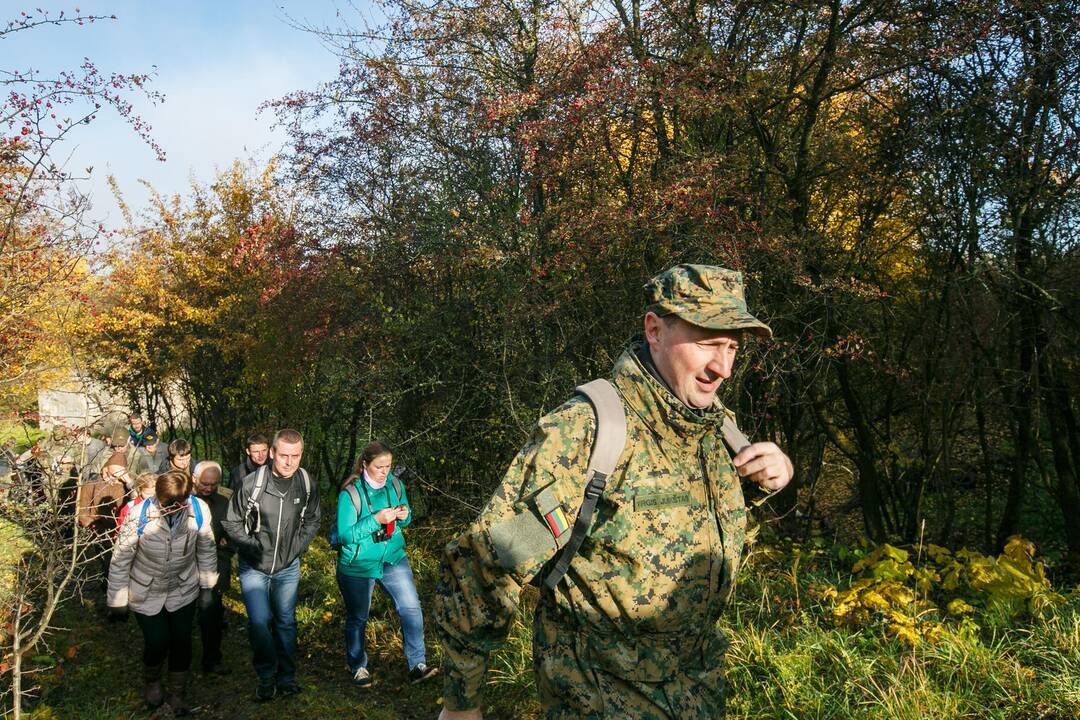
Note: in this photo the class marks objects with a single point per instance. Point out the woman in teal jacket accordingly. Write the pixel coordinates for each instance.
(372, 511)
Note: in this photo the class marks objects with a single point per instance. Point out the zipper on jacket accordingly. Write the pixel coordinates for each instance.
(708, 445)
(277, 534)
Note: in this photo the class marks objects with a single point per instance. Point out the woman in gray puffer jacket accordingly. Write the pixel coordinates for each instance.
(164, 561)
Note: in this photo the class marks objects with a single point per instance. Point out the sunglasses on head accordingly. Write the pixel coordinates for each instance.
(174, 507)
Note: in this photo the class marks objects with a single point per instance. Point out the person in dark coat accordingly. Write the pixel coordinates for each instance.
(273, 517)
(212, 619)
(257, 453)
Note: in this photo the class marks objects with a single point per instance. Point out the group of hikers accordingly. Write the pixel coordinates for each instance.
(625, 507)
(168, 529)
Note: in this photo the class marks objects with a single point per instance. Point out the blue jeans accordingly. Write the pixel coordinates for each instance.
(271, 607)
(397, 581)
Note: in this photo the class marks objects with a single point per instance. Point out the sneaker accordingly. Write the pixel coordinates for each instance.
(362, 678)
(421, 672)
(289, 687)
(265, 691)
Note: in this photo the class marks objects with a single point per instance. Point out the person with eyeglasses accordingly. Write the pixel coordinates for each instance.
(164, 563)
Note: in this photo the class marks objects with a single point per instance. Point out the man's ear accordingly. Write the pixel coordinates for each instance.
(654, 327)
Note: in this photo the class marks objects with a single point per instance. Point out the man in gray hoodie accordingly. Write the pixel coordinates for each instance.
(272, 518)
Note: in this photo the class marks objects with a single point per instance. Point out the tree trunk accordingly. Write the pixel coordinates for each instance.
(1062, 441)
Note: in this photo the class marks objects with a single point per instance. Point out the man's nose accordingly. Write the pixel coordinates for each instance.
(721, 364)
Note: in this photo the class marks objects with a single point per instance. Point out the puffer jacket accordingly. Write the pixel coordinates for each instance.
(165, 567)
(360, 555)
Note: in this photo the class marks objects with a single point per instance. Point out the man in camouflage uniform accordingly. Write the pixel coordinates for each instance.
(630, 632)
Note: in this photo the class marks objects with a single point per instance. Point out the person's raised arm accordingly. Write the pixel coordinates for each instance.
(484, 569)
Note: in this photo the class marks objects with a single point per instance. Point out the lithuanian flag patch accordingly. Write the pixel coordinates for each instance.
(556, 520)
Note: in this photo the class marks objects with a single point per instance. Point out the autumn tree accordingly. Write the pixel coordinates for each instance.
(46, 236)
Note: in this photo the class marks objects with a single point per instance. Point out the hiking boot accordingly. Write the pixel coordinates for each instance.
(362, 678)
(153, 692)
(178, 693)
(421, 672)
(265, 690)
(289, 687)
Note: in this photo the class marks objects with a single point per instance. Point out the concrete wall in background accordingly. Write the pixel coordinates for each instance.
(72, 401)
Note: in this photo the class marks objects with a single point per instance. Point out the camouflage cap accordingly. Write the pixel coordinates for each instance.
(704, 295)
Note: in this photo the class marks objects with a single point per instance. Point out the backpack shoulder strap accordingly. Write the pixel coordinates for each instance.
(354, 495)
(610, 425)
(307, 493)
(398, 490)
(735, 439)
(252, 516)
(142, 516)
(260, 484)
(607, 447)
(197, 511)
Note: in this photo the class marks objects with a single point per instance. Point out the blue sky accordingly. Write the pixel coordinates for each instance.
(216, 61)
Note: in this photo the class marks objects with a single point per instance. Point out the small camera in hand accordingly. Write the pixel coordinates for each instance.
(380, 535)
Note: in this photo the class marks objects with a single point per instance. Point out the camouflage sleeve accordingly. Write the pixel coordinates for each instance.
(525, 521)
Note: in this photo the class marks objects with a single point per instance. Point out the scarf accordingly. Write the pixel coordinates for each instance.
(372, 484)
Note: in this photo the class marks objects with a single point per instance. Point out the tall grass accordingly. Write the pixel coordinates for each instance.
(786, 660)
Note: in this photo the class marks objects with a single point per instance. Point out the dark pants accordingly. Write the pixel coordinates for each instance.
(212, 619)
(168, 635)
(211, 627)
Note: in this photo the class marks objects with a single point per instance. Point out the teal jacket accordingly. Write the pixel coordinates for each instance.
(360, 555)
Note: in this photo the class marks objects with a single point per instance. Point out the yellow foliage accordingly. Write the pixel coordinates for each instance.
(957, 606)
(893, 592)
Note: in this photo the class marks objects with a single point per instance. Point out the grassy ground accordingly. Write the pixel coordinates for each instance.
(786, 659)
(21, 433)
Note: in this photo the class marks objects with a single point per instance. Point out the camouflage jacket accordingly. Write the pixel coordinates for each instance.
(650, 580)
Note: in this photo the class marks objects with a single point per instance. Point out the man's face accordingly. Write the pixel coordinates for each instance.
(151, 446)
(692, 360)
(207, 482)
(182, 462)
(286, 457)
(258, 452)
(114, 472)
(136, 423)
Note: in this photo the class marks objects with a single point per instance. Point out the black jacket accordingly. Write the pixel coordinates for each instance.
(281, 537)
(219, 508)
(238, 473)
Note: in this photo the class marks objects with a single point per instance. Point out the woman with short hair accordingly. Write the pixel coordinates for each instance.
(164, 561)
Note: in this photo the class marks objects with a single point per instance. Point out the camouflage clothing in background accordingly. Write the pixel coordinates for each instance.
(631, 631)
